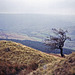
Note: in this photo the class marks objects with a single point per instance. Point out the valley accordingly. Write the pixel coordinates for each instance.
(32, 29)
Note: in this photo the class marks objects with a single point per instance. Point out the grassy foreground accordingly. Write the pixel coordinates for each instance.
(63, 67)
(16, 58)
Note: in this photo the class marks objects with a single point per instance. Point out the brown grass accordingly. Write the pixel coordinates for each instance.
(15, 52)
(66, 67)
(21, 60)
(6, 68)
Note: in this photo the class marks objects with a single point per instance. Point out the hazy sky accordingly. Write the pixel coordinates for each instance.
(38, 6)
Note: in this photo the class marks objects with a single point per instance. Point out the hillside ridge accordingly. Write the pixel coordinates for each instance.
(16, 53)
(16, 58)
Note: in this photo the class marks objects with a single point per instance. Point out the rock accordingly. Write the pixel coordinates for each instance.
(7, 49)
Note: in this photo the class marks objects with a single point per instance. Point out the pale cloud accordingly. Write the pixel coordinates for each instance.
(38, 6)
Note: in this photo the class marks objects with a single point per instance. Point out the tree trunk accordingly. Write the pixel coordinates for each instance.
(61, 51)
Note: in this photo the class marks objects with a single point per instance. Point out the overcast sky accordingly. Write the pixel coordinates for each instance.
(38, 6)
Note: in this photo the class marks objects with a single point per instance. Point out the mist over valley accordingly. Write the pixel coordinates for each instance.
(36, 27)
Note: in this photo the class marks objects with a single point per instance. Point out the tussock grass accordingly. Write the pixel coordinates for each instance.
(64, 67)
(17, 53)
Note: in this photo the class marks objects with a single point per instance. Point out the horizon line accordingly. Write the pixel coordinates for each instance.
(35, 13)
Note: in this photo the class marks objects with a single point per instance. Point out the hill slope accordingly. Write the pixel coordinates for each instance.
(12, 53)
(16, 58)
(63, 67)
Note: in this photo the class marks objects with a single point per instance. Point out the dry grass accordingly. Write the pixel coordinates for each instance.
(64, 67)
(16, 58)
(17, 53)
(6, 68)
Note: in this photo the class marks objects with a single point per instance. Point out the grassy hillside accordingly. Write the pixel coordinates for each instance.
(63, 67)
(17, 57)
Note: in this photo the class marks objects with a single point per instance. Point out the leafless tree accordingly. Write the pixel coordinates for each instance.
(57, 41)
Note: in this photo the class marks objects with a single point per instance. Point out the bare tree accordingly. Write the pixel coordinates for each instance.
(57, 41)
